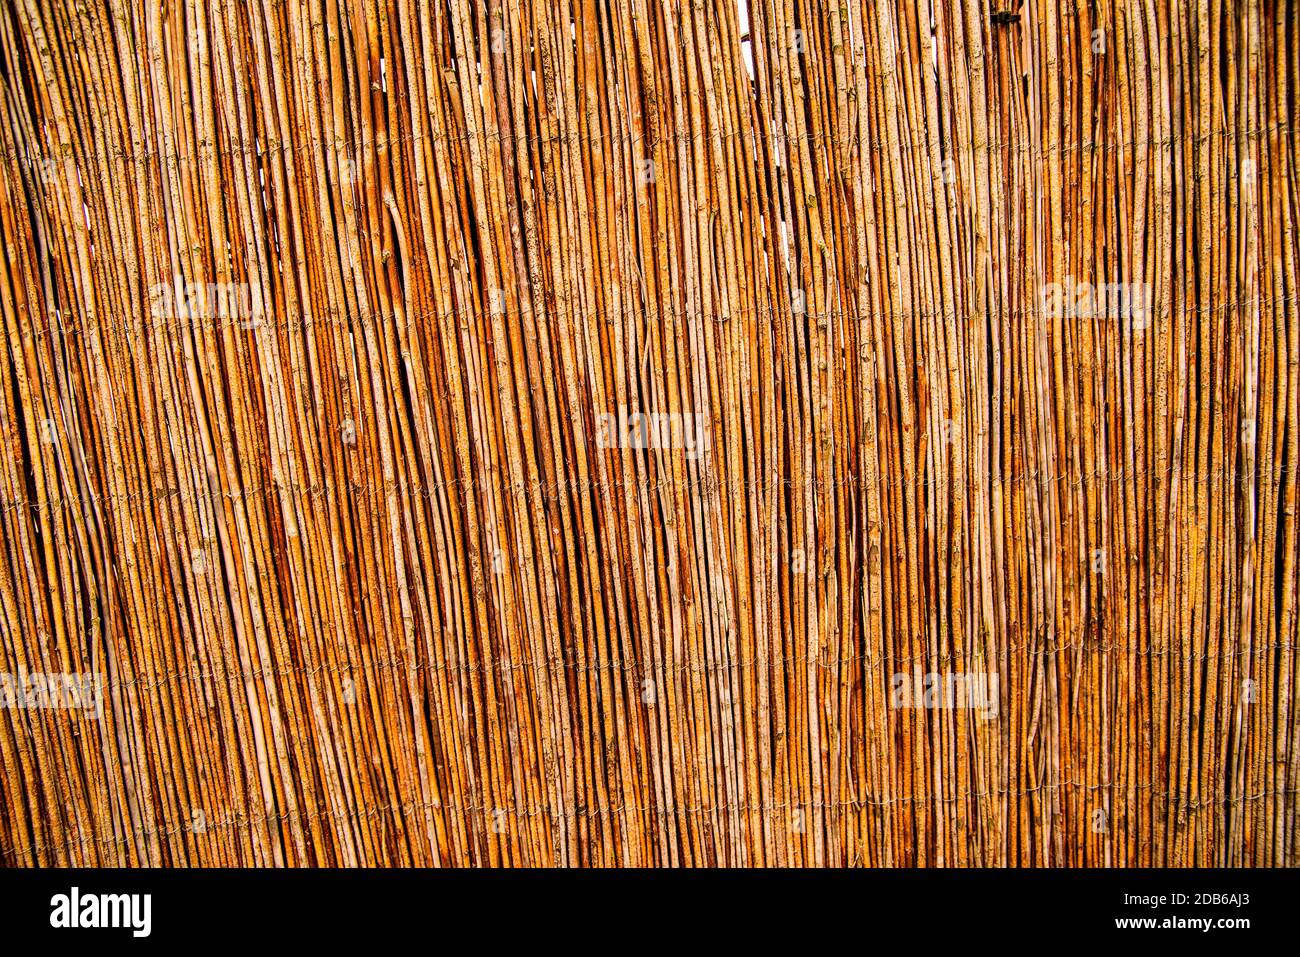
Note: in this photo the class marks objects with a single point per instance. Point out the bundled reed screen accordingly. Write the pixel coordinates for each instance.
(649, 433)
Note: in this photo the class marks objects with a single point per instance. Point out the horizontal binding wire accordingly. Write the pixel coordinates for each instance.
(885, 658)
(373, 492)
(348, 148)
(665, 312)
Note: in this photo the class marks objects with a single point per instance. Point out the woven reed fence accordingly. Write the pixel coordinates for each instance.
(630, 432)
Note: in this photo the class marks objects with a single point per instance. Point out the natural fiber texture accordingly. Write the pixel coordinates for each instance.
(359, 529)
